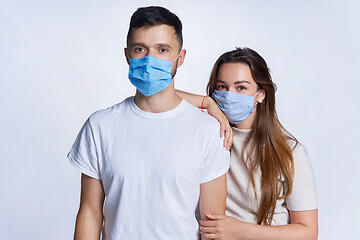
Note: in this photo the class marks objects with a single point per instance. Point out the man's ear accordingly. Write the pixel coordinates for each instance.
(126, 56)
(181, 58)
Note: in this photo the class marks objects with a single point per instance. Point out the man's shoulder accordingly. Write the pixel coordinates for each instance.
(110, 113)
(201, 118)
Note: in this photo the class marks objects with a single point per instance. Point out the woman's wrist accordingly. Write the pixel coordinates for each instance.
(202, 103)
(208, 102)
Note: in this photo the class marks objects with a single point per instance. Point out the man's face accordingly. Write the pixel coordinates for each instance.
(157, 41)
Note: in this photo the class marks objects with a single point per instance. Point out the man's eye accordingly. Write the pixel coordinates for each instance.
(163, 50)
(139, 50)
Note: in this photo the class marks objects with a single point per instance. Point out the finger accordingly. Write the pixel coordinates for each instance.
(210, 236)
(205, 223)
(215, 217)
(222, 130)
(231, 133)
(207, 229)
(225, 140)
(227, 137)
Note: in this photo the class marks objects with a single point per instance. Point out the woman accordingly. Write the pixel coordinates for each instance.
(271, 190)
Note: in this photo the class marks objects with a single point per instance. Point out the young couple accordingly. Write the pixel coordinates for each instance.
(149, 162)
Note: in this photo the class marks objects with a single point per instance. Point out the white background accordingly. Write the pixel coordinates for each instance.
(62, 60)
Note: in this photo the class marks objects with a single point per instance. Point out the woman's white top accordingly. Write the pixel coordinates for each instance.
(241, 202)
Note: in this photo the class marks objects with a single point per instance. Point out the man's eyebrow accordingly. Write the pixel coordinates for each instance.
(165, 45)
(140, 44)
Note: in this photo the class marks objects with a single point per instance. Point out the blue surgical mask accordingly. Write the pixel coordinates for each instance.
(236, 107)
(149, 74)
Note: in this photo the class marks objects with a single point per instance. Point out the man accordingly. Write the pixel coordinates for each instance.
(148, 161)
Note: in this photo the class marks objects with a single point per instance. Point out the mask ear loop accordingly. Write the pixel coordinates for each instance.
(176, 57)
(176, 62)
(255, 96)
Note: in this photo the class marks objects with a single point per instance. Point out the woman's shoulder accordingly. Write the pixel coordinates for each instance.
(299, 151)
(302, 164)
(295, 146)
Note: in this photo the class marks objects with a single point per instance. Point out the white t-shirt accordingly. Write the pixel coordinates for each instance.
(151, 166)
(241, 202)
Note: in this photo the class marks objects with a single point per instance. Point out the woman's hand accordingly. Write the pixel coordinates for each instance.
(304, 225)
(225, 129)
(223, 228)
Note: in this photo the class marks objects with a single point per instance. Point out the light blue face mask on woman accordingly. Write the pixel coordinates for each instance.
(149, 74)
(236, 107)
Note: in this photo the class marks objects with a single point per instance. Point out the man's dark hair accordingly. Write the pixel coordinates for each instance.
(153, 16)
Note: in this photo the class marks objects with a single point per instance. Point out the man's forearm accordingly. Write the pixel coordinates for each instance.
(213, 198)
(88, 226)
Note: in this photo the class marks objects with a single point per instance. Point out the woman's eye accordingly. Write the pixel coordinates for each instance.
(221, 87)
(241, 87)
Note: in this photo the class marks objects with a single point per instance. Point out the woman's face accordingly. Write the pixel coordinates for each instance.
(236, 78)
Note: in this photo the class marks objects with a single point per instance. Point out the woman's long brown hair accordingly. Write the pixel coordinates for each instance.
(267, 146)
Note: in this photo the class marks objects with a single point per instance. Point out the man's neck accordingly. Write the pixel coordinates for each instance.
(163, 101)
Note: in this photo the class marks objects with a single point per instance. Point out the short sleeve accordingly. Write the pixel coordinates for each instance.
(83, 154)
(303, 196)
(217, 159)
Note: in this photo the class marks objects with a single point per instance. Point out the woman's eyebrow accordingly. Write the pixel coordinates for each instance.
(242, 81)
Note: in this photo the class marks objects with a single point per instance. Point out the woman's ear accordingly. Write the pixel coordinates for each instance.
(261, 96)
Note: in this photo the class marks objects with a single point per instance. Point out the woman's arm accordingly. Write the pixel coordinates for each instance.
(303, 226)
(194, 99)
(212, 108)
